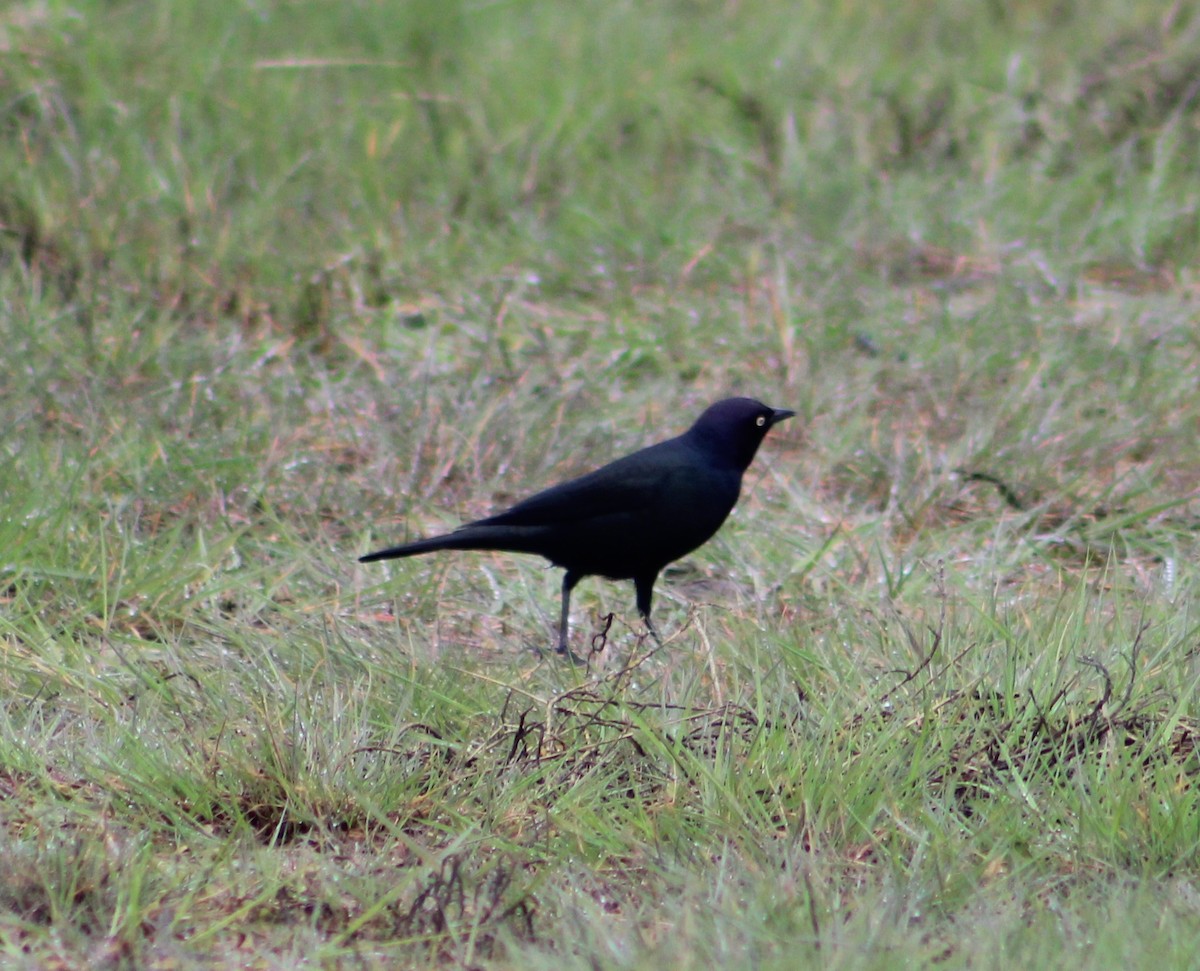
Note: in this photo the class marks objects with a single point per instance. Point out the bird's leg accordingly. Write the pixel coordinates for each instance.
(644, 588)
(570, 578)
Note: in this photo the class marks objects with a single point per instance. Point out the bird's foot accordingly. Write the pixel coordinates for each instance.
(561, 652)
(568, 655)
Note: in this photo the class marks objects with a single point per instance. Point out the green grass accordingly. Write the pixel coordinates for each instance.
(283, 282)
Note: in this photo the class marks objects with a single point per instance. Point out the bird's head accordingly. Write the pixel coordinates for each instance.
(733, 429)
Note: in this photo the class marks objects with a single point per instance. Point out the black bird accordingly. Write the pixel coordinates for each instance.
(629, 519)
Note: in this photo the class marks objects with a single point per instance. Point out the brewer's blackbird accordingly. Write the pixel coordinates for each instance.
(629, 519)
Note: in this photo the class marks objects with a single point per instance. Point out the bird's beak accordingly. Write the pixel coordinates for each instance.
(779, 414)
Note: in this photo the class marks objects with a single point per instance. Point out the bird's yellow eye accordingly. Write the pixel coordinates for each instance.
(761, 420)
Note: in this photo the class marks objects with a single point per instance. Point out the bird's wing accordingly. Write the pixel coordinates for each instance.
(626, 487)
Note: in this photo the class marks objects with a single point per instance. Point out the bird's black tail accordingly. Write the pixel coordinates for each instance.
(410, 549)
(470, 537)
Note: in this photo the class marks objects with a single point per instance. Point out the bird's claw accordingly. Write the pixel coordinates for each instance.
(568, 655)
(562, 652)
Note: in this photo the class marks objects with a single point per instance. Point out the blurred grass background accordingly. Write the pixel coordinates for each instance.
(280, 282)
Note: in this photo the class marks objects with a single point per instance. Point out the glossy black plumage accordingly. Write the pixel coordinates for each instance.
(630, 518)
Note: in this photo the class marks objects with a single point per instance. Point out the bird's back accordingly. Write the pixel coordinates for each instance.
(625, 519)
